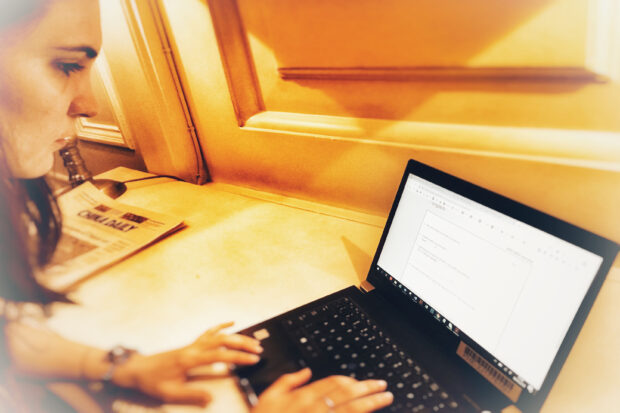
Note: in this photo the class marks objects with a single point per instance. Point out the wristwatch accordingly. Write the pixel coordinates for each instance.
(116, 356)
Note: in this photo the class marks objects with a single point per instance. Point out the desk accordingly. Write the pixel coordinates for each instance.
(246, 256)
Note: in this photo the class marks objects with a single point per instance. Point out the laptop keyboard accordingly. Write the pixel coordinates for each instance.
(341, 332)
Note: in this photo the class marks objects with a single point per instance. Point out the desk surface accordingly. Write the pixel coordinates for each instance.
(246, 256)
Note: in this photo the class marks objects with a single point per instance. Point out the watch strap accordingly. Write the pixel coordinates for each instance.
(116, 356)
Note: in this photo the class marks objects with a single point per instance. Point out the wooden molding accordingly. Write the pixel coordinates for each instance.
(303, 204)
(118, 134)
(588, 149)
(100, 132)
(602, 61)
(167, 138)
(603, 41)
(237, 59)
(437, 73)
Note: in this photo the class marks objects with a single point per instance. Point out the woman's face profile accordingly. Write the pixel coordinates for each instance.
(45, 64)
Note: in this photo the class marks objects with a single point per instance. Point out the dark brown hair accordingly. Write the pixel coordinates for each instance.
(30, 227)
(30, 221)
(19, 11)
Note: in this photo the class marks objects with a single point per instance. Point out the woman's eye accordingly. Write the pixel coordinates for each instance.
(68, 68)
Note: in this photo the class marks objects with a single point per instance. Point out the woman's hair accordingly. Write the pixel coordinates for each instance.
(15, 12)
(30, 227)
(30, 221)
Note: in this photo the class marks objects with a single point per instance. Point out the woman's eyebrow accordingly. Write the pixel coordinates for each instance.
(89, 51)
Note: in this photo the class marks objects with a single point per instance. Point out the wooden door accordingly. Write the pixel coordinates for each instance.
(326, 100)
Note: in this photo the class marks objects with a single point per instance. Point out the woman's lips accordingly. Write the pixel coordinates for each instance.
(59, 143)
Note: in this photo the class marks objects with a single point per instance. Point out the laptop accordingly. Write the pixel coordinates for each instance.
(473, 303)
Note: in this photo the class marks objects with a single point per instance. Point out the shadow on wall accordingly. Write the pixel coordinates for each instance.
(359, 258)
(394, 34)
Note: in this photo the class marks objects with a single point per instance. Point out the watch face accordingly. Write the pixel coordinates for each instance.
(119, 354)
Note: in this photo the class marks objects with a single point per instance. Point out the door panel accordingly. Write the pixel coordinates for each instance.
(327, 100)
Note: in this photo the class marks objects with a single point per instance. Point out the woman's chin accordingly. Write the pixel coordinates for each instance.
(32, 168)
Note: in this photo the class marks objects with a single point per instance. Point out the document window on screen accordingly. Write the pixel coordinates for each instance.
(509, 286)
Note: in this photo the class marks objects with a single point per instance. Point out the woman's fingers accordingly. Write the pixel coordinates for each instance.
(235, 342)
(213, 338)
(225, 356)
(287, 383)
(336, 393)
(324, 386)
(366, 404)
(174, 392)
(214, 330)
(349, 395)
(344, 392)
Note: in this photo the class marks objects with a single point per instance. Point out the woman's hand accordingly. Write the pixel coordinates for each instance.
(337, 394)
(164, 375)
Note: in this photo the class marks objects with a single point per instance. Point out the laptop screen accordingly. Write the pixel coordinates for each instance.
(508, 286)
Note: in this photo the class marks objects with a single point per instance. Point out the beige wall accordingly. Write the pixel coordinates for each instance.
(136, 76)
(327, 100)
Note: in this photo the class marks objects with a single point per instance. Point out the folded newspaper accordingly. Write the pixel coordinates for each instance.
(97, 232)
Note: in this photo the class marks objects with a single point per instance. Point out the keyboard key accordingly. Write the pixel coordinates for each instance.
(340, 331)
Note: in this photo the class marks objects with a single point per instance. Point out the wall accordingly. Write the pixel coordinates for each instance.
(327, 100)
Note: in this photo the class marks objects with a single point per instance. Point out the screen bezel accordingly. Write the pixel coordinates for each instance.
(545, 222)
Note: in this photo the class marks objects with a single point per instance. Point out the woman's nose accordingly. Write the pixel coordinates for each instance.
(84, 104)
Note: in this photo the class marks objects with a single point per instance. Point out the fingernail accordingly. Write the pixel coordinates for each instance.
(258, 349)
(254, 358)
(382, 383)
(387, 396)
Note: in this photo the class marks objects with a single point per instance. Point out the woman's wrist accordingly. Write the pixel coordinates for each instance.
(126, 373)
(99, 365)
(93, 365)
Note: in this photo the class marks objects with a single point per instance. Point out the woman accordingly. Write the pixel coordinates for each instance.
(47, 49)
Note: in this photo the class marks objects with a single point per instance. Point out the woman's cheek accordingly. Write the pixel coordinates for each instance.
(27, 156)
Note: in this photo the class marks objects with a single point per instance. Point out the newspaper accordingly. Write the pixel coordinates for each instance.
(97, 232)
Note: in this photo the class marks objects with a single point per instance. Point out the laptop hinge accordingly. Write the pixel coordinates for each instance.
(366, 287)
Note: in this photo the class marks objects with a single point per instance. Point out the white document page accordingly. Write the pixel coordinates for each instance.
(509, 286)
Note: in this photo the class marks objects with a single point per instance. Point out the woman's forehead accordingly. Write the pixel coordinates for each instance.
(62, 23)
